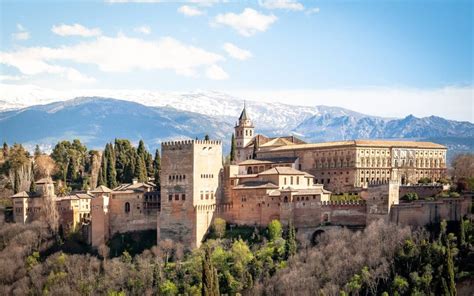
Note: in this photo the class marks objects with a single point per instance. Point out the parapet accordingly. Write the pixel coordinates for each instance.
(332, 203)
(180, 143)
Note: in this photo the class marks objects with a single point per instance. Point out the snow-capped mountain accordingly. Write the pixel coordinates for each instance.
(155, 116)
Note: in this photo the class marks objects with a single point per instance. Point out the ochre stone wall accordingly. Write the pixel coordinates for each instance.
(423, 191)
(421, 213)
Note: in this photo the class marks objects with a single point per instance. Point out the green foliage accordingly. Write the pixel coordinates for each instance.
(210, 281)
(168, 288)
(424, 180)
(290, 245)
(218, 227)
(399, 285)
(410, 196)
(233, 148)
(157, 167)
(32, 260)
(132, 242)
(344, 197)
(70, 159)
(126, 258)
(274, 230)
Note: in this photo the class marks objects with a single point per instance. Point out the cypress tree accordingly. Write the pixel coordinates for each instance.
(232, 148)
(210, 282)
(290, 245)
(32, 184)
(157, 167)
(450, 271)
(5, 149)
(111, 173)
(102, 179)
(462, 233)
(37, 151)
(140, 169)
(16, 182)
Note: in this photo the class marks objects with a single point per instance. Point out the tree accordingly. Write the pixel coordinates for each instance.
(5, 150)
(410, 196)
(232, 148)
(210, 282)
(44, 166)
(37, 151)
(140, 169)
(157, 167)
(274, 230)
(218, 227)
(206, 137)
(16, 182)
(291, 246)
(111, 173)
(102, 177)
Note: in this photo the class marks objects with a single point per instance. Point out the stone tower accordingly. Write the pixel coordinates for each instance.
(244, 133)
(190, 187)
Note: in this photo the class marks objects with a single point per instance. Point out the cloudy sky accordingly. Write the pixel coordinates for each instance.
(388, 58)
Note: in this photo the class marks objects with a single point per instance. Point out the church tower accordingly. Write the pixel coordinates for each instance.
(244, 130)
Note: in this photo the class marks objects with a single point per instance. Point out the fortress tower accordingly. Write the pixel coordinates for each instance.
(244, 133)
(190, 187)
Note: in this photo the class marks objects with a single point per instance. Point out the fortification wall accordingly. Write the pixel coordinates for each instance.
(423, 191)
(346, 213)
(421, 213)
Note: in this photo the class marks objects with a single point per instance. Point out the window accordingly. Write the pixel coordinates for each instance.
(183, 196)
(170, 197)
(291, 180)
(284, 181)
(176, 196)
(127, 207)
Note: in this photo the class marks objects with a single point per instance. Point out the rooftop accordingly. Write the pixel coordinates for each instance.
(283, 171)
(361, 143)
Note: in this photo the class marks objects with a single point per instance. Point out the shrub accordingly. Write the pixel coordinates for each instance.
(218, 227)
(274, 230)
(410, 196)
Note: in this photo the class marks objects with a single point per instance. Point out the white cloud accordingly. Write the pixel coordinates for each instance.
(197, 2)
(282, 4)
(143, 29)
(236, 52)
(21, 34)
(11, 77)
(189, 10)
(113, 54)
(75, 30)
(216, 73)
(313, 10)
(248, 23)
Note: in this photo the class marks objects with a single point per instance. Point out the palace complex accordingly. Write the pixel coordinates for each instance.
(282, 178)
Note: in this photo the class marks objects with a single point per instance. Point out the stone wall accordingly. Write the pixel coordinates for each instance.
(423, 191)
(421, 213)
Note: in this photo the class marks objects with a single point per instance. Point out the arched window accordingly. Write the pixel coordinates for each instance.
(127, 207)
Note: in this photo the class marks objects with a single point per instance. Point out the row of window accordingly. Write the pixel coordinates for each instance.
(177, 196)
(176, 177)
(207, 176)
(247, 133)
(335, 173)
(207, 195)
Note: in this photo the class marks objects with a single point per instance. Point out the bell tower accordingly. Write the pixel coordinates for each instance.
(244, 130)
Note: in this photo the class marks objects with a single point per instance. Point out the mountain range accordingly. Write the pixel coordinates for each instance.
(97, 120)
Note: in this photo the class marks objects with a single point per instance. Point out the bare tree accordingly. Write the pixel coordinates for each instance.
(50, 213)
(44, 166)
(167, 248)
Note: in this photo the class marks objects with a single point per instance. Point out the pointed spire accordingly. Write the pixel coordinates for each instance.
(243, 115)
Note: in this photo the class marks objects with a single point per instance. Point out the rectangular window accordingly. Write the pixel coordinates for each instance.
(291, 180)
(329, 181)
(176, 196)
(284, 181)
(170, 197)
(183, 196)
(297, 180)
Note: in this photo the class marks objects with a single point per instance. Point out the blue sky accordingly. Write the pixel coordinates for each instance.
(277, 50)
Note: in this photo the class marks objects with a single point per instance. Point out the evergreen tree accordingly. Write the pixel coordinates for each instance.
(290, 246)
(102, 178)
(140, 169)
(255, 149)
(462, 233)
(111, 173)
(37, 151)
(141, 151)
(5, 149)
(32, 184)
(157, 167)
(210, 282)
(232, 149)
(16, 182)
(149, 165)
(206, 137)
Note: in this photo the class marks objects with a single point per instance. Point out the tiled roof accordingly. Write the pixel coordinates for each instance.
(362, 143)
(256, 185)
(282, 171)
(101, 189)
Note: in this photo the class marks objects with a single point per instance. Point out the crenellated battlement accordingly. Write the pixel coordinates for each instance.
(181, 143)
(333, 203)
